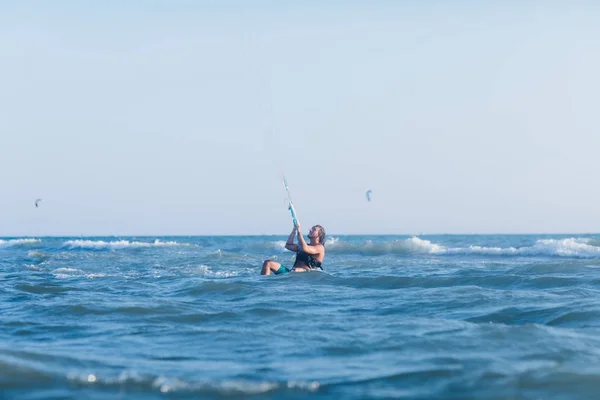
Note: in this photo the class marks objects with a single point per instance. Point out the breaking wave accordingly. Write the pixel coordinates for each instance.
(119, 244)
(18, 242)
(569, 247)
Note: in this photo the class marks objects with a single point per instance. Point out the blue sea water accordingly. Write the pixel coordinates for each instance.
(428, 317)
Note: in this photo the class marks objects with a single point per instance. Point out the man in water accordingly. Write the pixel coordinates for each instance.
(308, 256)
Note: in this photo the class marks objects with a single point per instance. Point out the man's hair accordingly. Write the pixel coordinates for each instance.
(321, 234)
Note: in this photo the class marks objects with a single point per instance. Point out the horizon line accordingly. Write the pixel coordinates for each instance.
(287, 234)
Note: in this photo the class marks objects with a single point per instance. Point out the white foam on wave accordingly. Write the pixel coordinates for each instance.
(413, 245)
(481, 250)
(416, 245)
(278, 246)
(569, 247)
(18, 242)
(67, 270)
(331, 241)
(37, 254)
(118, 244)
(95, 275)
(63, 273)
(167, 384)
(207, 272)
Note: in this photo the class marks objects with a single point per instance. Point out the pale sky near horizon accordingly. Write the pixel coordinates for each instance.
(176, 117)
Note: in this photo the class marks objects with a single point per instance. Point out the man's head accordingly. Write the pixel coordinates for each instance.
(317, 232)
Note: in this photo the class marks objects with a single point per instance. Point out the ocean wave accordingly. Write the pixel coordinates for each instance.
(236, 289)
(387, 282)
(413, 245)
(207, 272)
(24, 369)
(18, 242)
(556, 316)
(569, 247)
(225, 264)
(119, 244)
(594, 242)
(277, 246)
(43, 289)
(63, 273)
(166, 384)
(34, 267)
(38, 254)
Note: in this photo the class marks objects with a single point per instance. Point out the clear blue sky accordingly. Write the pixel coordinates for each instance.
(176, 117)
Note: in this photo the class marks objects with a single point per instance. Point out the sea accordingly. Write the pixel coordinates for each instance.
(390, 317)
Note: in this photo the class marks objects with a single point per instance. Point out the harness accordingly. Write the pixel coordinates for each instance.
(309, 260)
